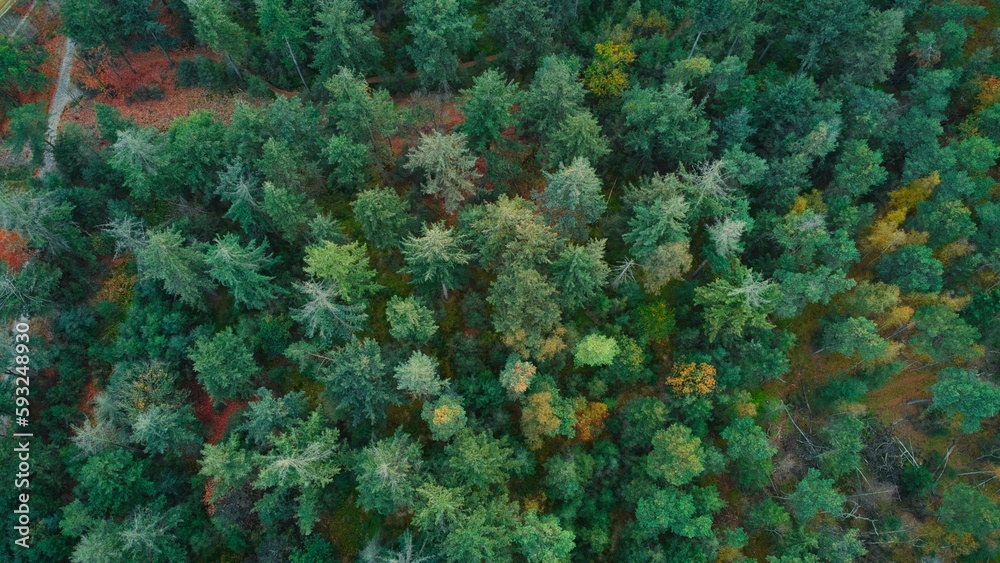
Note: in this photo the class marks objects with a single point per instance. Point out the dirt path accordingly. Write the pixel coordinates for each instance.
(60, 99)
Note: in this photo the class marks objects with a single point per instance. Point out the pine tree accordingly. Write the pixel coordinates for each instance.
(239, 269)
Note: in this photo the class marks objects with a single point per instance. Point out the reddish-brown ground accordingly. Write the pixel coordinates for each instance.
(89, 392)
(116, 84)
(215, 422)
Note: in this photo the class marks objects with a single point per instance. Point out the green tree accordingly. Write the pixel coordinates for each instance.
(384, 216)
(419, 377)
(963, 392)
(27, 127)
(912, 268)
(966, 510)
(732, 306)
(445, 416)
(486, 107)
(441, 30)
(580, 273)
(358, 381)
(578, 136)
(284, 27)
(855, 336)
(677, 456)
(20, 62)
(813, 495)
(436, 257)
(303, 459)
(555, 94)
(541, 539)
(269, 413)
(523, 28)
(846, 437)
(410, 321)
(166, 258)
(345, 39)
(748, 447)
(345, 266)
(362, 115)
(943, 335)
(595, 350)
(225, 365)
(664, 126)
(685, 514)
(525, 313)
(449, 169)
(572, 199)
(326, 314)
(477, 461)
(389, 472)
(238, 268)
(215, 27)
(136, 155)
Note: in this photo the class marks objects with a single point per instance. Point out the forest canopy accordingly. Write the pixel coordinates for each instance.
(458, 281)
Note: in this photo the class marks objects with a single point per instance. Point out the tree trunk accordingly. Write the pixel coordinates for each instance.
(296, 62)
(695, 46)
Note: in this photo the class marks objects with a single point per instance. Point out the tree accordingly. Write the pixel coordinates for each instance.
(595, 350)
(855, 336)
(525, 313)
(344, 266)
(555, 94)
(943, 335)
(578, 136)
(284, 27)
(657, 222)
(238, 269)
(303, 459)
(573, 199)
(269, 413)
(691, 378)
(165, 258)
(28, 129)
(748, 447)
(441, 30)
(20, 62)
(814, 495)
(324, 314)
(580, 273)
(962, 392)
(677, 456)
(419, 377)
(732, 307)
(664, 126)
(436, 257)
(541, 539)
(912, 268)
(225, 365)
(345, 39)
(362, 115)
(966, 510)
(517, 376)
(445, 416)
(358, 381)
(523, 28)
(668, 262)
(136, 156)
(389, 472)
(487, 109)
(384, 216)
(448, 167)
(214, 27)
(684, 514)
(476, 461)
(410, 321)
(845, 434)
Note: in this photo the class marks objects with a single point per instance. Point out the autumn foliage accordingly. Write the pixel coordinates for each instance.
(692, 378)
